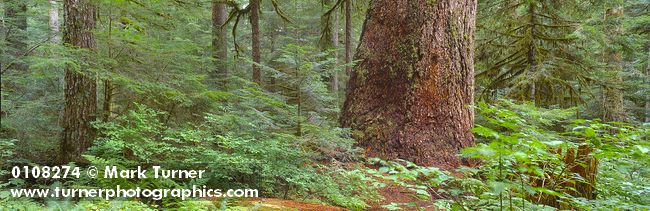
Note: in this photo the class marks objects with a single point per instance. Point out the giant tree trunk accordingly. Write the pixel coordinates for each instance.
(80, 86)
(410, 96)
(16, 34)
(255, 28)
(219, 42)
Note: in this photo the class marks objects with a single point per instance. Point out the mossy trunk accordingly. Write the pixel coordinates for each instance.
(411, 94)
(531, 56)
(219, 42)
(348, 36)
(80, 85)
(255, 28)
(613, 101)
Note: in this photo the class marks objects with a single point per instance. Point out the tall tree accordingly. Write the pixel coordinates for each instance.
(54, 22)
(612, 91)
(80, 85)
(410, 96)
(255, 30)
(108, 90)
(16, 34)
(219, 42)
(348, 36)
(647, 82)
(253, 12)
(529, 52)
(330, 40)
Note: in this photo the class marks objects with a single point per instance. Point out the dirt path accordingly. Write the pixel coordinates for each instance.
(273, 204)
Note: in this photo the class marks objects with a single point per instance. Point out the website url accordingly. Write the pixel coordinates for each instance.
(118, 192)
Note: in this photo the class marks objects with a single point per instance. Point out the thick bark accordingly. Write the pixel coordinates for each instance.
(255, 28)
(348, 36)
(410, 96)
(613, 109)
(54, 22)
(219, 42)
(16, 34)
(80, 86)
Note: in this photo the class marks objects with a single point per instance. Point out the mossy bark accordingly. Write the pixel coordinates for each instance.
(348, 36)
(613, 101)
(410, 96)
(255, 30)
(219, 42)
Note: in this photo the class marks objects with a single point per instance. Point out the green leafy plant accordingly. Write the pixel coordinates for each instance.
(533, 158)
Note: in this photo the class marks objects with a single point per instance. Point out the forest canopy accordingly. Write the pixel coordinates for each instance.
(326, 104)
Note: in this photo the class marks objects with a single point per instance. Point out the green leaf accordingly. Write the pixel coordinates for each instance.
(642, 149)
(589, 132)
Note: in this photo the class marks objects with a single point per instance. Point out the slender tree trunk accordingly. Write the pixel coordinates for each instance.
(331, 43)
(16, 34)
(299, 106)
(3, 57)
(647, 81)
(80, 85)
(532, 54)
(410, 96)
(108, 84)
(255, 27)
(108, 100)
(219, 42)
(55, 28)
(54, 22)
(613, 109)
(272, 80)
(334, 81)
(348, 36)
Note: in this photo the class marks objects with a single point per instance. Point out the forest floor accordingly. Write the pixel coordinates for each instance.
(272, 204)
(398, 194)
(390, 194)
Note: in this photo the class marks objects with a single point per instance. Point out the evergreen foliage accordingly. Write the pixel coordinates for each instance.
(548, 75)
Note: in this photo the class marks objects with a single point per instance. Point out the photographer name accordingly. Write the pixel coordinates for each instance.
(112, 172)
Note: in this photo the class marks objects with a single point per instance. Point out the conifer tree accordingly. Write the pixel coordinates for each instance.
(80, 86)
(410, 96)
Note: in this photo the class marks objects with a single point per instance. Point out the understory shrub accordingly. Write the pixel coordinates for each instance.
(237, 149)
